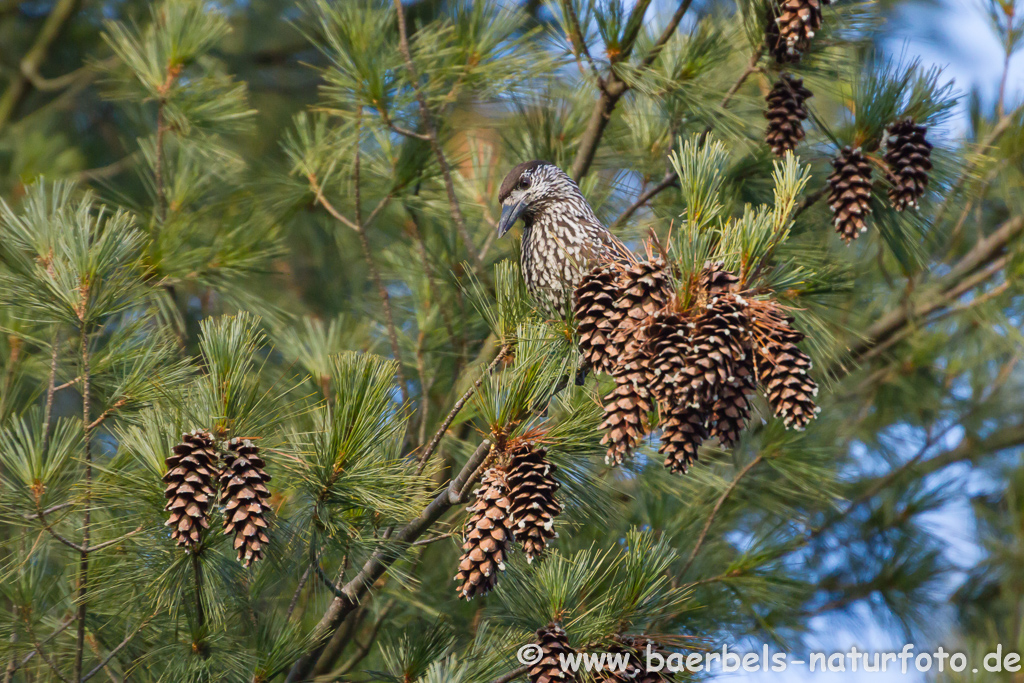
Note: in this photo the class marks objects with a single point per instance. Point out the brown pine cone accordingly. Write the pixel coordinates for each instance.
(487, 536)
(786, 114)
(783, 370)
(597, 317)
(850, 193)
(532, 487)
(684, 429)
(730, 413)
(626, 407)
(908, 156)
(718, 345)
(791, 26)
(190, 481)
(243, 493)
(554, 645)
(645, 290)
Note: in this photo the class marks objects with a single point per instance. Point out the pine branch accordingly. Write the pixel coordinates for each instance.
(434, 138)
(670, 178)
(945, 292)
(161, 131)
(298, 591)
(371, 265)
(379, 562)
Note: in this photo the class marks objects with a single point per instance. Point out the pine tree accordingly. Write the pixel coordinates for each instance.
(273, 232)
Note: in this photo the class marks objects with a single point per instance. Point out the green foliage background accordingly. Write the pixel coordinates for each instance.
(276, 220)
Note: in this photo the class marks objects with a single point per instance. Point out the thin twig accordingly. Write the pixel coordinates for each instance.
(433, 138)
(714, 511)
(27, 658)
(371, 265)
(298, 591)
(18, 88)
(439, 434)
(117, 649)
(512, 675)
(671, 178)
(435, 539)
(83, 571)
(42, 653)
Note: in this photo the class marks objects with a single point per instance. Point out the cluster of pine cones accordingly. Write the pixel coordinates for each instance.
(696, 354)
(514, 502)
(196, 468)
(907, 161)
(554, 645)
(791, 24)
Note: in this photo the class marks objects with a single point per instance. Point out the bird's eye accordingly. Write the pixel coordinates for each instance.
(524, 183)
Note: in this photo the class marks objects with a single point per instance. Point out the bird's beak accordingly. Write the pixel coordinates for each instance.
(510, 213)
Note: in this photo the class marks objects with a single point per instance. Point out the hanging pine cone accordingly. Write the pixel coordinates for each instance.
(532, 487)
(487, 536)
(645, 289)
(668, 344)
(683, 431)
(717, 347)
(597, 317)
(908, 156)
(243, 493)
(626, 407)
(190, 481)
(730, 413)
(783, 371)
(554, 645)
(850, 193)
(791, 26)
(785, 114)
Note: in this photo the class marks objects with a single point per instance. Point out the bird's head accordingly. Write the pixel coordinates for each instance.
(528, 188)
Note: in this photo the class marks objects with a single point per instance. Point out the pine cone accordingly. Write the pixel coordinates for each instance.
(627, 406)
(730, 413)
(908, 156)
(785, 114)
(791, 26)
(715, 279)
(668, 344)
(243, 494)
(683, 431)
(553, 645)
(645, 290)
(783, 370)
(597, 317)
(850, 195)
(487, 536)
(532, 488)
(190, 480)
(717, 347)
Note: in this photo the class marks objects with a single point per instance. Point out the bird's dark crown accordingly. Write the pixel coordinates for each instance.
(512, 179)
